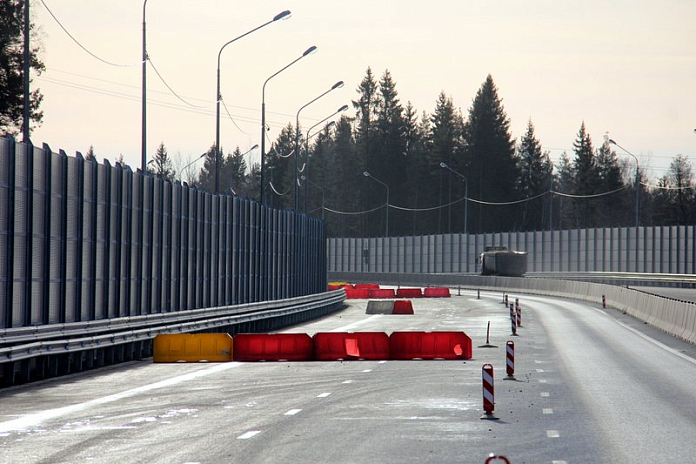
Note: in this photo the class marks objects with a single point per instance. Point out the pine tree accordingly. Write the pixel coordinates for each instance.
(536, 172)
(586, 181)
(206, 176)
(161, 164)
(489, 154)
(445, 146)
(233, 172)
(342, 187)
(11, 68)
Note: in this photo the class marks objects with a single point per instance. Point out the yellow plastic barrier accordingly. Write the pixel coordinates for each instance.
(212, 347)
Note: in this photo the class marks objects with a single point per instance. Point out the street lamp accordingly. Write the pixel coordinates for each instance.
(337, 85)
(143, 141)
(367, 174)
(189, 164)
(466, 194)
(636, 186)
(218, 97)
(332, 123)
(309, 51)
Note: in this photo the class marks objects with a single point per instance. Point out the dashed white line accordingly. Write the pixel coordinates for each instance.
(547, 410)
(544, 394)
(347, 381)
(381, 362)
(559, 462)
(292, 412)
(367, 370)
(249, 434)
(543, 381)
(540, 370)
(552, 434)
(323, 395)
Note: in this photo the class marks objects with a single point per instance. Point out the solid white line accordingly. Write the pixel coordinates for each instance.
(292, 412)
(323, 395)
(650, 339)
(552, 434)
(249, 434)
(32, 420)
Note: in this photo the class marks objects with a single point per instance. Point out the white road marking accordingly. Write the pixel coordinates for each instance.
(381, 362)
(292, 412)
(540, 370)
(249, 434)
(650, 339)
(552, 434)
(323, 395)
(547, 410)
(32, 420)
(559, 462)
(367, 370)
(543, 381)
(544, 394)
(356, 324)
(347, 381)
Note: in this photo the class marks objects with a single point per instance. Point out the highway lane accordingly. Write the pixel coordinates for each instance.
(588, 383)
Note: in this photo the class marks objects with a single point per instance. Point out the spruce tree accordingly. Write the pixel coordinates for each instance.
(535, 176)
(11, 69)
(161, 165)
(490, 160)
(233, 173)
(612, 209)
(586, 181)
(280, 169)
(206, 176)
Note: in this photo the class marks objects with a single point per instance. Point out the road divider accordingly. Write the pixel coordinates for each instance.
(273, 347)
(382, 293)
(409, 293)
(436, 292)
(430, 345)
(210, 347)
(403, 307)
(334, 346)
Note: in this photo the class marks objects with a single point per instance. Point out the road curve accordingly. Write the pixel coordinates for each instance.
(592, 386)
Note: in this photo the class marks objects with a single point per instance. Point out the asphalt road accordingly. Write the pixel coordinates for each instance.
(592, 386)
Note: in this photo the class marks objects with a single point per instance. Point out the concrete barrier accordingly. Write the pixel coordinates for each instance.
(674, 317)
(380, 307)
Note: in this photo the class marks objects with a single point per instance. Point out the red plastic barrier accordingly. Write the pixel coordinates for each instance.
(273, 347)
(403, 307)
(436, 292)
(334, 287)
(332, 346)
(382, 293)
(348, 286)
(353, 294)
(409, 293)
(368, 286)
(430, 345)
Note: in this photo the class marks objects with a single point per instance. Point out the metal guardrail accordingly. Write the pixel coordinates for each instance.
(26, 344)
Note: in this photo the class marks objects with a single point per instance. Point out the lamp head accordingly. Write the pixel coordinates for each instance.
(612, 141)
(366, 174)
(310, 50)
(342, 109)
(331, 124)
(284, 15)
(254, 147)
(443, 165)
(337, 85)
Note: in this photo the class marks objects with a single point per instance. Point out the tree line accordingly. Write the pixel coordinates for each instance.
(432, 165)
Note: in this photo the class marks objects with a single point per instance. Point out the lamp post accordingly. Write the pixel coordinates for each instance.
(218, 97)
(190, 163)
(143, 139)
(367, 174)
(337, 85)
(466, 194)
(332, 123)
(636, 186)
(309, 51)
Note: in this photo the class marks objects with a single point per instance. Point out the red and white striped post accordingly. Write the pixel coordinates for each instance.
(510, 360)
(518, 308)
(488, 392)
(513, 319)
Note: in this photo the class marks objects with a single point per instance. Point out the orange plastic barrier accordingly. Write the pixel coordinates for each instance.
(436, 292)
(368, 286)
(352, 294)
(334, 287)
(403, 307)
(409, 293)
(273, 347)
(206, 347)
(333, 346)
(430, 345)
(382, 293)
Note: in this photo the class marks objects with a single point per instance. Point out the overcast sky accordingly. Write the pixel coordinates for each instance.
(624, 67)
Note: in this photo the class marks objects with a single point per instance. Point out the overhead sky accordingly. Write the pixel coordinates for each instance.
(626, 67)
